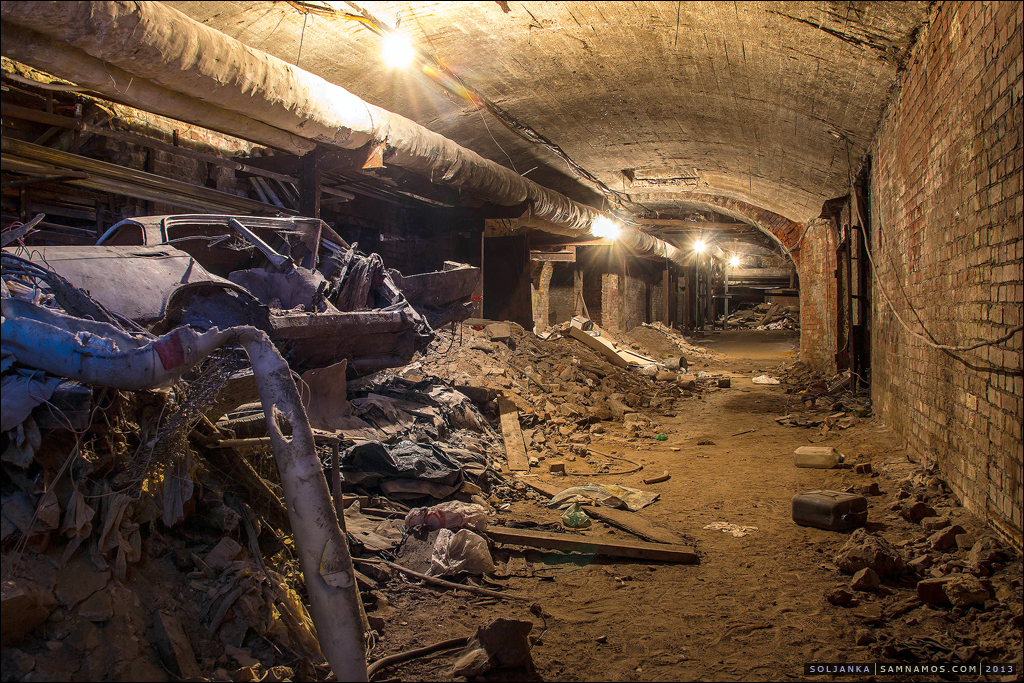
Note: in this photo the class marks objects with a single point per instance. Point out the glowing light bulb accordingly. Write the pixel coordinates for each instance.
(698, 247)
(396, 50)
(734, 261)
(605, 228)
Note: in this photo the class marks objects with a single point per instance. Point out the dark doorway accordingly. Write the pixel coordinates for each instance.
(507, 280)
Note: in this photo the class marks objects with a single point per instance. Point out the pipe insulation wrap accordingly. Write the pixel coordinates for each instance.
(167, 48)
(46, 54)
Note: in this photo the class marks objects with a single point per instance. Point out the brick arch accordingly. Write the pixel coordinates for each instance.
(784, 231)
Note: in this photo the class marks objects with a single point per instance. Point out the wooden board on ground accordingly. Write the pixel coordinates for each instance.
(622, 519)
(637, 550)
(600, 345)
(515, 445)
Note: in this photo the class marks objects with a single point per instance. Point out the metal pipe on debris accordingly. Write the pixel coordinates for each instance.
(99, 353)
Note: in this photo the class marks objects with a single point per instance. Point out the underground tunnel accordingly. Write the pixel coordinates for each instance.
(512, 340)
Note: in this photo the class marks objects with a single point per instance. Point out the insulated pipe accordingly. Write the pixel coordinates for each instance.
(158, 43)
(46, 54)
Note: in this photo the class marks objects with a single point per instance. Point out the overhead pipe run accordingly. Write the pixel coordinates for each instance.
(162, 48)
(46, 54)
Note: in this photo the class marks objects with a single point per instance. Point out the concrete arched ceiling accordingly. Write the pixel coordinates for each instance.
(757, 102)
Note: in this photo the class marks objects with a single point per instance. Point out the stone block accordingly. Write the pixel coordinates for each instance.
(934, 523)
(865, 580)
(933, 591)
(223, 554)
(24, 605)
(174, 647)
(945, 539)
(863, 549)
(964, 590)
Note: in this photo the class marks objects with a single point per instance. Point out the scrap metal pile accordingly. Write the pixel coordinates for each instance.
(191, 464)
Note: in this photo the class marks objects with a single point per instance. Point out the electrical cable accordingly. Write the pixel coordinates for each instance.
(930, 339)
(926, 340)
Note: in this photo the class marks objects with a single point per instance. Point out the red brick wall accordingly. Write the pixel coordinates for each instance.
(946, 198)
(816, 265)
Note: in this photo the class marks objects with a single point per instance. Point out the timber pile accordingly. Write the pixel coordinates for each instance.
(765, 317)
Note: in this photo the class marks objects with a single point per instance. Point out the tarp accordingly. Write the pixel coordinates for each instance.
(415, 468)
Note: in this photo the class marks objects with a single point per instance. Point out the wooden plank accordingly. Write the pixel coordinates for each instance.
(310, 177)
(621, 519)
(637, 550)
(515, 445)
(600, 345)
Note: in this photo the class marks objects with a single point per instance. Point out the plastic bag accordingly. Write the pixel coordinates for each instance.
(460, 552)
(450, 515)
(575, 518)
(608, 495)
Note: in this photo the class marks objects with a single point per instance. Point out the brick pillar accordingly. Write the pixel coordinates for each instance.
(610, 300)
(816, 264)
(540, 285)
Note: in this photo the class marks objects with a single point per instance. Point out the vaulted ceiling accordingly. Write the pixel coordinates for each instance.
(766, 103)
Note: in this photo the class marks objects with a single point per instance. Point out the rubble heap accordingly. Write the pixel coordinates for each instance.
(765, 317)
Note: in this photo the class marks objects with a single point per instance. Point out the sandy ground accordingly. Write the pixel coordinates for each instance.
(753, 609)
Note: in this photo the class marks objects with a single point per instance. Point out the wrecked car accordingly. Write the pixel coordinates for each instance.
(318, 298)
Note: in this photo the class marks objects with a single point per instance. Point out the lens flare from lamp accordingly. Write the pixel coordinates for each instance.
(605, 228)
(396, 50)
(698, 247)
(734, 261)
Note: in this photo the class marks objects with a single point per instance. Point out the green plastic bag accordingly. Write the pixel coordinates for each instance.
(575, 518)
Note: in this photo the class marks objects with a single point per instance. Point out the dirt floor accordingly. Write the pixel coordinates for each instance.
(754, 608)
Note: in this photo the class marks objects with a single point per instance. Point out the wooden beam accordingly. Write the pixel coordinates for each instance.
(622, 519)
(310, 177)
(370, 155)
(637, 550)
(600, 345)
(515, 445)
(665, 295)
(695, 225)
(568, 255)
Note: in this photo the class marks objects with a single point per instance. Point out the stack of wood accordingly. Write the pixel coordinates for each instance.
(765, 317)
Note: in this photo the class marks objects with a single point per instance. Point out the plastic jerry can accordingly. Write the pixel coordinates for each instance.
(822, 457)
(830, 510)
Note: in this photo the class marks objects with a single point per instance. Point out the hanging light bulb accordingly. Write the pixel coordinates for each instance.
(605, 228)
(698, 246)
(734, 261)
(396, 50)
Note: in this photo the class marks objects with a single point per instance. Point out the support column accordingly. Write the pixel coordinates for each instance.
(665, 319)
(310, 176)
(542, 294)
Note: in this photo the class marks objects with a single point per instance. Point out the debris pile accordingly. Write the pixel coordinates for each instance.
(157, 454)
(945, 569)
(765, 317)
(829, 403)
(562, 388)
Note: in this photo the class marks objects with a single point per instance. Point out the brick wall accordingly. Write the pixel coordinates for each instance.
(816, 264)
(946, 202)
